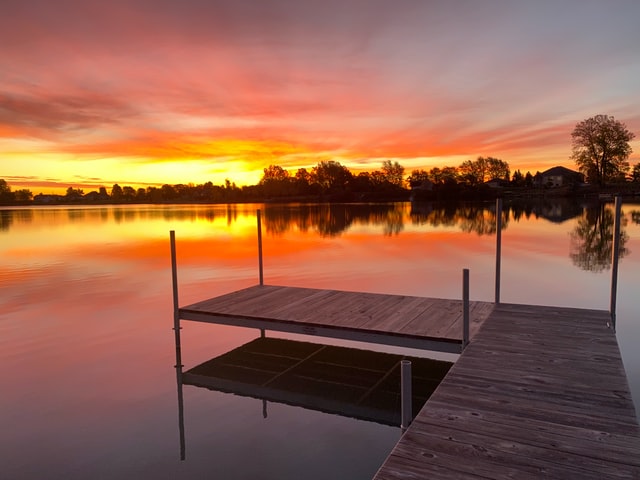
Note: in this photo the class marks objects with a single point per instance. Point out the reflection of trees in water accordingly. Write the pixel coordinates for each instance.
(9, 217)
(480, 219)
(592, 239)
(635, 217)
(556, 210)
(6, 219)
(330, 220)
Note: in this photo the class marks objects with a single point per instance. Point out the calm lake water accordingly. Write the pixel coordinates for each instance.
(87, 349)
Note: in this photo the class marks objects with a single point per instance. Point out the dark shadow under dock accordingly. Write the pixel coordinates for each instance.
(338, 380)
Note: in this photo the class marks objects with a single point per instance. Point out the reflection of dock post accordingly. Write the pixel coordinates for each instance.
(259, 219)
(260, 270)
(176, 329)
(465, 308)
(498, 245)
(615, 253)
(405, 394)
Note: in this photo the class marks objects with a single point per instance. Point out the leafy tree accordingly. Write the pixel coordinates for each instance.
(518, 178)
(116, 192)
(393, 172)
(331, 176)
(528, 180)
(74, 194)
(276, 181)
(495, 168)
(274, 172)
(128, 194)
(473, 172)
(600, 148)
(23, 195)
(6, 195)
(449, 174)
(417, 178)
(635, 173)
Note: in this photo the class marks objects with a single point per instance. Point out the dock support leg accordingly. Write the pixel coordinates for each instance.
(465, 308)
(176, 330)
(259, 219)
(405, 394)
(615, 253)
(498, 246)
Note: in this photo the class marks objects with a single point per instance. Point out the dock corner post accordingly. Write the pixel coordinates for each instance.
(498, 246)
(260, 269)
(405, 394)
(465, 308)
(615, 254)
(174, 281)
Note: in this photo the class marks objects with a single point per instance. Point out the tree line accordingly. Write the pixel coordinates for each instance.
(600, 149)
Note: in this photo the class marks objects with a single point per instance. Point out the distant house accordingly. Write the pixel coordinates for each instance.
(560, 177)
(45, 199)
(421, 190)
(497, 183)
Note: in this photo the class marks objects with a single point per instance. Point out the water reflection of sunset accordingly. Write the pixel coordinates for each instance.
(85, 297)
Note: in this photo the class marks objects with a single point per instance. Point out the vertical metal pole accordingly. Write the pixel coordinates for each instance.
(615, 253)
(174, 281)
(405, 394)
(259, 217)
(498, 246)
(176, 330)
(465, 308)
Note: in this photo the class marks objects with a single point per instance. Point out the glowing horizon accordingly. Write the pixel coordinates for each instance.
(153, 93)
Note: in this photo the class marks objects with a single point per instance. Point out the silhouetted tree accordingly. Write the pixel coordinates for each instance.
(331, 176)
(393, 172)
(74, 194)
(417, 178)
(600, 148)
(276, 181)
(128, 194)
(23, 195)
(635, 173)
(6, 195)
(528, 180)
(517, 179)
(495, 168)
(168, 193)
(116, 193)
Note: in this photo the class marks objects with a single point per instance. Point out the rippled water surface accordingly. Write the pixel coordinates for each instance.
(87, 349)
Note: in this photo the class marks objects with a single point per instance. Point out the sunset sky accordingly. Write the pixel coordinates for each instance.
(165, 91)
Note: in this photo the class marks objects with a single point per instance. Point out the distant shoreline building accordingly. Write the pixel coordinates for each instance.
(560, 177)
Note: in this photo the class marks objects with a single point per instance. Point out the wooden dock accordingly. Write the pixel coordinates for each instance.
(540, 392)
(417, 322)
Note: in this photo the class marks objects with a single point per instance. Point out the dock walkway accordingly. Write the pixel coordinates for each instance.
(540, 392)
